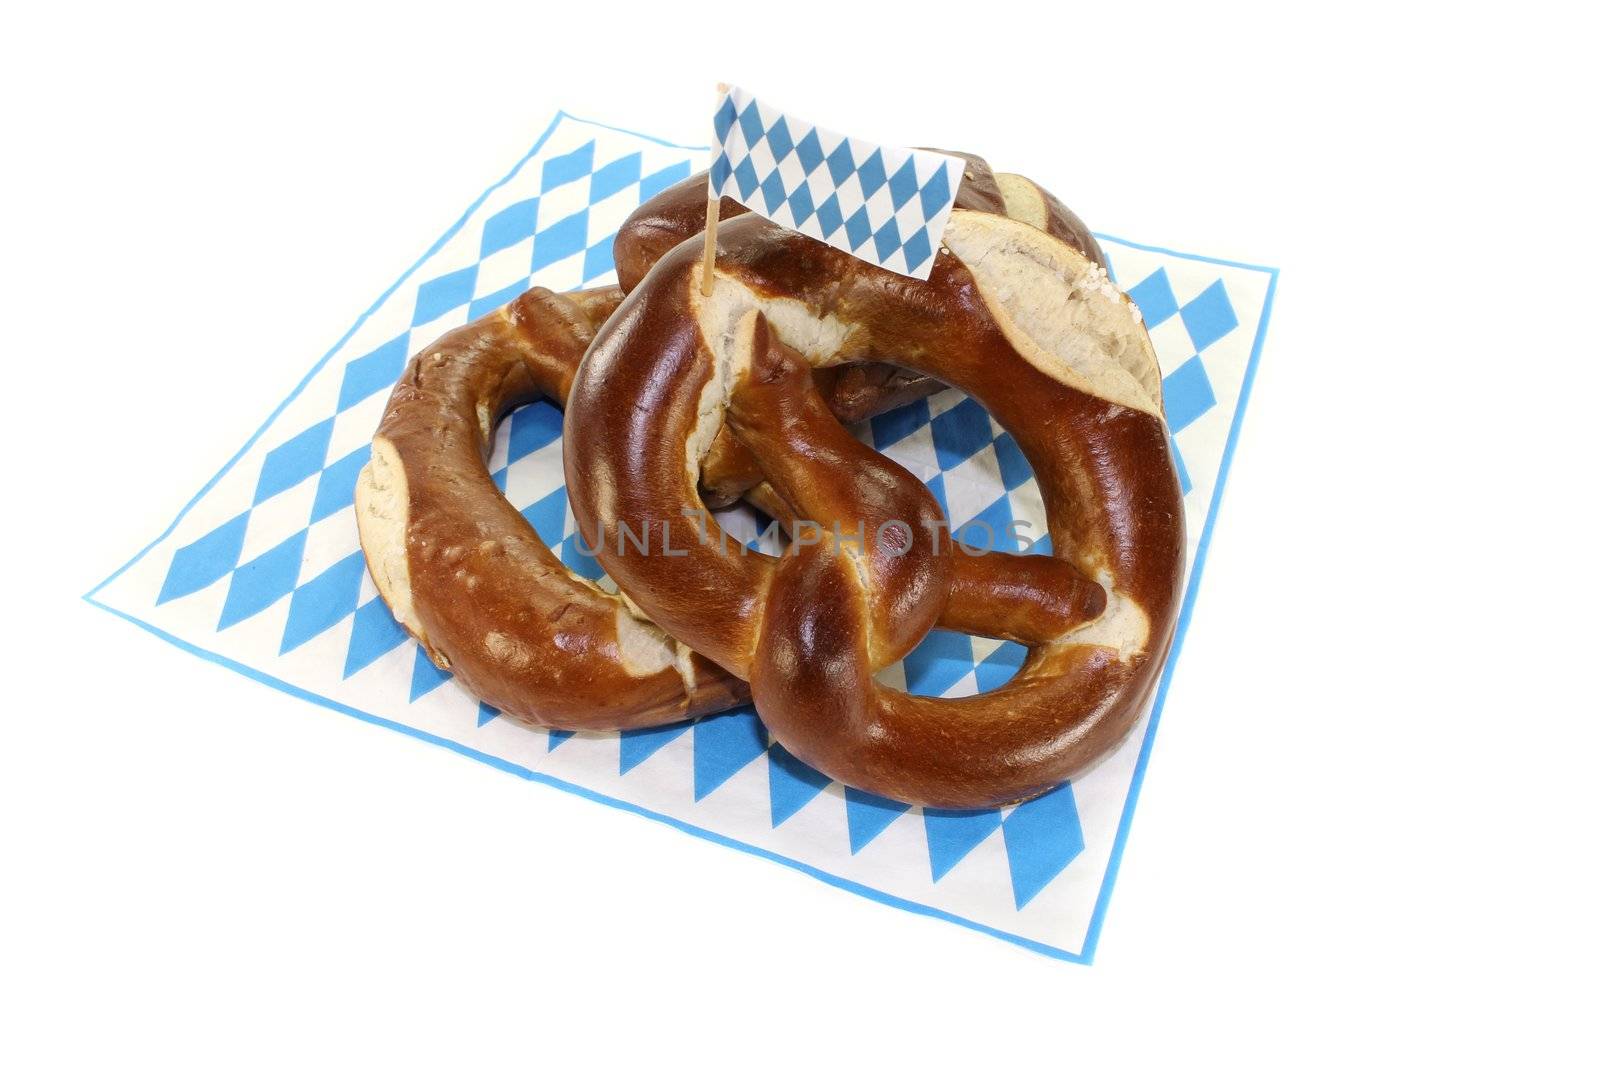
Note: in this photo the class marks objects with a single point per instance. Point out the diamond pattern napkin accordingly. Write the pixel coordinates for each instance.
(262, 571)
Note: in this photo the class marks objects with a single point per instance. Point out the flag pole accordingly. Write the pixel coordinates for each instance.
(713, 209)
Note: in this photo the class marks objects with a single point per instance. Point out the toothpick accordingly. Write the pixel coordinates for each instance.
(713, 210)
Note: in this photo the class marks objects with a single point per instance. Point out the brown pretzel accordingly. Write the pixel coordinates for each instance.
(467, 575)
(1016, 317)
(854, 391)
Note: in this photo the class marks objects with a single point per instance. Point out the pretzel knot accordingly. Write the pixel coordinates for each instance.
(1015, 317)
(468, 576)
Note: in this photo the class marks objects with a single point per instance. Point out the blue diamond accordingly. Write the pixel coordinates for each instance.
(829, 217)
(559, 170)
(558, 737)
(1014, 468)
(722, 121)
(1000, 666)
(718, 181)
(373, 633)
(1209, 316)
(376, 370)
(903, 186)
(200, 563)
(486, 714)
(664, 178)
(750, 124)
(508, 226)
(323, 601)
(565, 238)
(791, 785)
(615, 177)
(1187, 393)
(336, 489)
(723, 746)
(809, 150)
(899, 423)
(548, 516)
(918, 249)
(533, 426)
(871, 175)
(858, 228)
(496, 300)
(886, 240)
(868, 815)
(639, 745)
(841, 164)
(425, 677)
(953, 834)
(263, 581)
(597, 260)
(990, 529)
(745, 175)
(800, 206)
(780, 141)
(773, 192)
(941, 660)
(935, 194)
(444, 293)
(961, 432)
(1042, 836)
(1154, 298)
(294, 461)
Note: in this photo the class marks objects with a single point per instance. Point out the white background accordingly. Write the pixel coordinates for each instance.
(1368, 825)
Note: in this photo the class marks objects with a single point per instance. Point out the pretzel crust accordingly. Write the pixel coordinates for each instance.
(469, 578)
(466, 574)
(1018, 318)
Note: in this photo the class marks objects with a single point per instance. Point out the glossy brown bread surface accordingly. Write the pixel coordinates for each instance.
(1020, 319)
(854, 391)
(468, 576)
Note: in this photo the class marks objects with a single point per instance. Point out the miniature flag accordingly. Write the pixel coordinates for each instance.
(885, 205)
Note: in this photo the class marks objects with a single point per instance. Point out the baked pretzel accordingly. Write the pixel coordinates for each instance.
(468, 577)
(1012, 314)
(465, 573)
(854, 391)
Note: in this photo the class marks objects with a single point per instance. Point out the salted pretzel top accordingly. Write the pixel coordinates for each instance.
(1016, 317)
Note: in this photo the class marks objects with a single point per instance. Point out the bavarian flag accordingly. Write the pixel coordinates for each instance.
(885, 205)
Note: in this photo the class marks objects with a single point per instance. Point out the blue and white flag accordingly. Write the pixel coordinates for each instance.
(885, 205)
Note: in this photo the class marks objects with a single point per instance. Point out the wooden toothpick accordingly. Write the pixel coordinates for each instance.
(713, 210)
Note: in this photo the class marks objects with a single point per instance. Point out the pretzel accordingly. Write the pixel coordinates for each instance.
(855, 391)
(468, 577)
(1015, 316)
